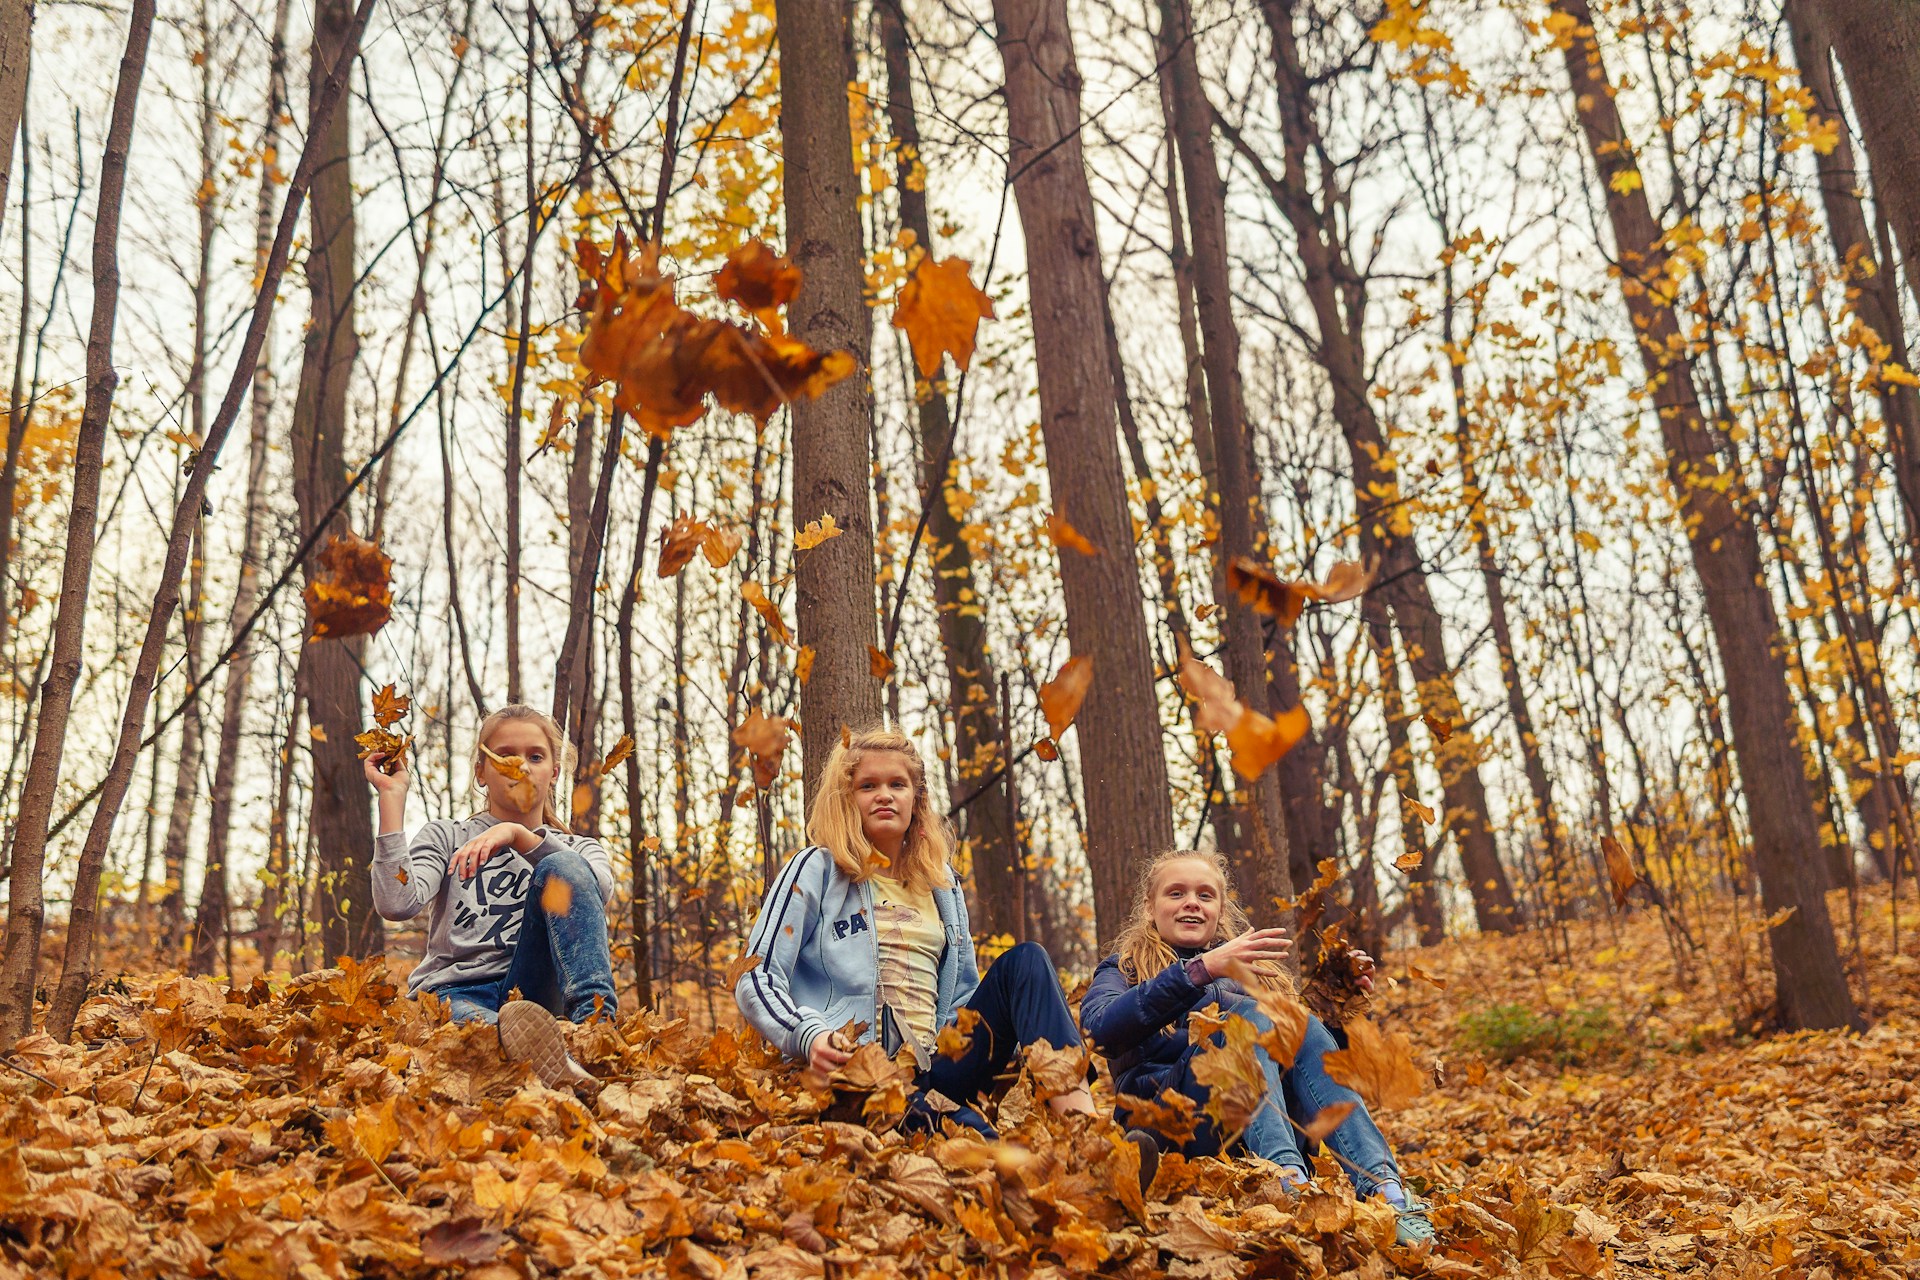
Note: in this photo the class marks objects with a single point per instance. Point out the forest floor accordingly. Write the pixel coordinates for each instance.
(1595, 1114)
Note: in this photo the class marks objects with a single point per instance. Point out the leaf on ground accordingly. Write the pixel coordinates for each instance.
(1173, 1115)
(1060, 697)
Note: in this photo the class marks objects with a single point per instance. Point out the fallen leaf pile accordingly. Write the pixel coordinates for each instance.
(327, 1127)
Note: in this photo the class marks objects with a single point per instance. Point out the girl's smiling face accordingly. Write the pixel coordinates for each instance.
(526, 739)
(883, 796)
(1187, 897)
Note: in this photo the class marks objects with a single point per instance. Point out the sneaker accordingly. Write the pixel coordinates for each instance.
(1149, 1147)
(530, 1034)
(1412, 1226)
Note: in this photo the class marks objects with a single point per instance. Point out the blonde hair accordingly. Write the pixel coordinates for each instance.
(557, 744)
(1143, 952)
(835, 825)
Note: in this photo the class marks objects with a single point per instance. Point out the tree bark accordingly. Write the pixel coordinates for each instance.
(186, 776)
(26, 907)
(1879, 48)
(832, 459)
(1811, 987)
(971, 676)
(16, 41)
(1337, 293)
(341, 821)
(1265, 876)
(1422, 892)
(1122, 763)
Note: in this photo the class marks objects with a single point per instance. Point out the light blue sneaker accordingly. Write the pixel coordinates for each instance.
(1412, 1226)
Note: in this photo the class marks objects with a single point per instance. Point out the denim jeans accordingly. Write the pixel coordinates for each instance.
(1302, 1092)
(561, 961)
(1019, 1002)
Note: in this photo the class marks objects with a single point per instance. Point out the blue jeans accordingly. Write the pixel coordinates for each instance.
(560, 961)
(1020, 1003)
(1302, 1092)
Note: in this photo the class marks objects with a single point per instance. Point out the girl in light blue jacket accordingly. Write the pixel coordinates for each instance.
(867, 925)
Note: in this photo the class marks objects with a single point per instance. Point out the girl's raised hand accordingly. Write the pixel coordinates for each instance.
(1362, 966)
(471, 856)
(1252, 947)
(825, 1054)
(382, 782)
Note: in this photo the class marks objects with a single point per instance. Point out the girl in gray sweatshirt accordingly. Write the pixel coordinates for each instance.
(513, 900)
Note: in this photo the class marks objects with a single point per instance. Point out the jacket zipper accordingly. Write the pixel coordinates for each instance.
(873, 940)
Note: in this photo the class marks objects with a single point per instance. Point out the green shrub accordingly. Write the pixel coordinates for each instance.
(1507, 1032)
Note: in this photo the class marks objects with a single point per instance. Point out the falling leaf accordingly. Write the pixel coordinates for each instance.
(679, 543)
(941, 310)
(817, 532)
(1260, 587)
(1060, 697)
(618, 756)
(1416, 972)
(514, 769)
(582, 799)
(1068, 538)
(1056, 1071)
(803, 665)
(1410, 861)
(1619, 869)
(350, 592)
(317, 732)
(556, 899)
(1423, 812)
(955, 1040)
(879, 663)
(1256, 741)
(757, 278)
(1206, 611)
(1377, 1066)
(1329, 1118)
(389, 708)
(1288, 1015)
(765, 737)
(719, 545)
(1438, 727)
(1047, 749)
(756, 595)
(1173, 1115)
(739, 967)
(1231, 1070)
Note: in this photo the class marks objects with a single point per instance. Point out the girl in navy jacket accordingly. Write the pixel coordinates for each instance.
(1185, 931)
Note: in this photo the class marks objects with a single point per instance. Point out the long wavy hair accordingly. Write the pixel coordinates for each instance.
(557, 746)
(1144, 953)
(926, 852)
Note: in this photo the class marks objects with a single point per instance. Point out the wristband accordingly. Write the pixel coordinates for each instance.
(1197, 972)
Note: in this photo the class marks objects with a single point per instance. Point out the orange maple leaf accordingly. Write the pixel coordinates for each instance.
(941, 311)
(1060, 697)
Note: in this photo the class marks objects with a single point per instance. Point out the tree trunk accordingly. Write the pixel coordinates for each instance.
(1265, 877)
(18, 411)
(1812, 988)
(630, 724)
(1337, 293)
(26, 907)
(210, 919)
(1879, 48)
(186, 776)
(832, 460)
(16, 40)
(341, 821)
(1422, 892)
(1122, 766)
(279, 872)
(971, 677)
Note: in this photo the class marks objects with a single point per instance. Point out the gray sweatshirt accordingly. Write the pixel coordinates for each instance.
(472, 924)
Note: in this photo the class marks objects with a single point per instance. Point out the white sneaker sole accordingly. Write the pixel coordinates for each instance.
(530, 1034)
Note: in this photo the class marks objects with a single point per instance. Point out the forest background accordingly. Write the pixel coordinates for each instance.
(1512, 400)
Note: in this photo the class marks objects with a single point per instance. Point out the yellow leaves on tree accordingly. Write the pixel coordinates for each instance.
(389, 708)
(765, 738)
(941, 310)
(666, 361)
(1255, 740)
(1377, 1066)
(1060, 697)
(350, 593)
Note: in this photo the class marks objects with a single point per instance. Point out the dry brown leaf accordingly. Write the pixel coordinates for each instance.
(1329, 1118)
(350, 591)
(879, 663)
(720, 545)
(1047, 749)
(679, 543)
(389, 708)
(766, 738)
(757, 278)
(1423, 812)
(1410, 861)
(816, 532)
(941, 310)
(1068, 538)
(556, 899)
(1620, 869)
(1439, 728)
(756, 595)
(520, 788)
(1377, 1066)
(1060, 697)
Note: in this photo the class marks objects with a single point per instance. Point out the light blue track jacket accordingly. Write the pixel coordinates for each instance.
(820, 961)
